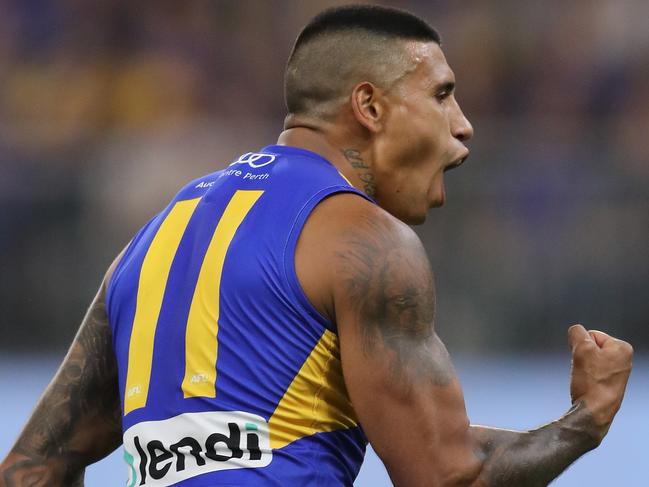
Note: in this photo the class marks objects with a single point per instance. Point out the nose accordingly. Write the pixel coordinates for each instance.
(461, 128)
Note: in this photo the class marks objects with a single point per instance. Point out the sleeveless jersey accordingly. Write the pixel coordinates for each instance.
(228, 375)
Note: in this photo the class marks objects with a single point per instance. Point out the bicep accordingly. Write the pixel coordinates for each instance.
(398, 373)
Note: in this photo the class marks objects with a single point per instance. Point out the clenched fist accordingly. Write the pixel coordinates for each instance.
(601, 366)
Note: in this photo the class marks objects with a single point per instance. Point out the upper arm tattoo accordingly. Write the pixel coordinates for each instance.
(390, 286)
(77, 420)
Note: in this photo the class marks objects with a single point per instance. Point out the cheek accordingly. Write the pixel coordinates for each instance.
(410, 150)
(426, 135)
(416, 144)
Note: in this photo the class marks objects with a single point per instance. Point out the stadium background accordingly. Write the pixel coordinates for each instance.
(107, 107)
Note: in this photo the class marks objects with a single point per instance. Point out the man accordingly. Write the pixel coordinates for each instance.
(249, 330)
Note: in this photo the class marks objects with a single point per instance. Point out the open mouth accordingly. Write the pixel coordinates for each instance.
(456, 163)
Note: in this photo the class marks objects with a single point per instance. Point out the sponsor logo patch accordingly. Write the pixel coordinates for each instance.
(161, 453)
(255, 159)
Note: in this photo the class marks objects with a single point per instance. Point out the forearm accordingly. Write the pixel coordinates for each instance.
(534, 458)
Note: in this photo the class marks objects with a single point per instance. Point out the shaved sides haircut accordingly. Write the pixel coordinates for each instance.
(343, 46)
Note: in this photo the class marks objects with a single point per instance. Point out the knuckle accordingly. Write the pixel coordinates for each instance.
(626, 348)
(585, 346)
(622, 346)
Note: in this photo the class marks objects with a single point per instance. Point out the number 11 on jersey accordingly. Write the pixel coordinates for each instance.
(201, 332)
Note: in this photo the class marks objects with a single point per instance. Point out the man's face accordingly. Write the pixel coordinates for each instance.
(422, 136)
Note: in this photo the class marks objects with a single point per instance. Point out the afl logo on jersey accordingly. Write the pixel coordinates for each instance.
(255, 159)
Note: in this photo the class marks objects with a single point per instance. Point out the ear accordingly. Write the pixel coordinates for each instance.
(368, 106)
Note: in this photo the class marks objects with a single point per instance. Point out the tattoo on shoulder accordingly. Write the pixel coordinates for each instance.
(362, 169)
(392, 290)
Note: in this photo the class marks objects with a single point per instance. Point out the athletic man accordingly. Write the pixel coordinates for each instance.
(251, 327)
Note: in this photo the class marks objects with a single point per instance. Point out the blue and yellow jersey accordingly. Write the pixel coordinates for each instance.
(228, 376)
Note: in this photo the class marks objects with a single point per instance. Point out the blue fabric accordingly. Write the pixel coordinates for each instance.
(267, 326)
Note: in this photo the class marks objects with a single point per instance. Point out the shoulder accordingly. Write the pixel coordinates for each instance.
(340, 218)
(351, 228)
(349, 247)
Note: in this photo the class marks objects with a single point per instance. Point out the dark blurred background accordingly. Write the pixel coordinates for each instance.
(107, 107)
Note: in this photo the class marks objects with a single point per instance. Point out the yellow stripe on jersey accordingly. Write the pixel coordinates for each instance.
(317, 400)
(201, 339)
(150, 292)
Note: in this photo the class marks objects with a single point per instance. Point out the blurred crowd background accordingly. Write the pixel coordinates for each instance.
(108, 107)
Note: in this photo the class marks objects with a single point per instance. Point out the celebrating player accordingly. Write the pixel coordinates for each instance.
(279, 313)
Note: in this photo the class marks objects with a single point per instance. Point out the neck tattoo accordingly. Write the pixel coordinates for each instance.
(363, 170)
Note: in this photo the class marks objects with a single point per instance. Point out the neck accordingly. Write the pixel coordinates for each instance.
(351, 158)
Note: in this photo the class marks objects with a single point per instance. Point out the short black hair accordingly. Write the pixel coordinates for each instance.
(331, 48)
(384, 21)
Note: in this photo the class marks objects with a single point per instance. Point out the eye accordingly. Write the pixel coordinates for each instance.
(443, 91)
(442, 95)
